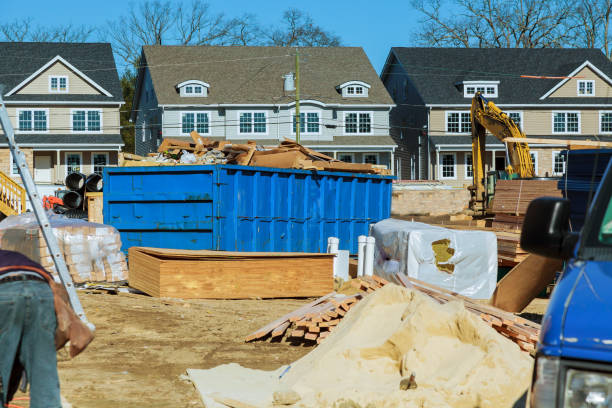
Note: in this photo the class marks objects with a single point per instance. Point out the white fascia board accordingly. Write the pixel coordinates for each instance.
(527, 105)
(479, 82)
(70, 147)
(382, 148)
(347, 83)
(67, 64)
(193, 81)
(61, 103)
(573, 73)
(270, 105)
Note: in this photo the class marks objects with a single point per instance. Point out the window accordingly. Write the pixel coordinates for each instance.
(346, 157)
(605, 122)
(566, 122)
(558, 163)
(189, 89)
(458, 122)
(370, 158)
(355, 89)
(309, 122)
(469, 170)
(14, 167)
(357, 122)
(586, 88)
(253, 122)
(447, 166)
(197, 121)
(193, 87)
(73, 163)
(58, 83)
(534, 160)
(517, 118)
(87, 120)
(100, 160)
(486, 88)
(32, 120)
(197, 89)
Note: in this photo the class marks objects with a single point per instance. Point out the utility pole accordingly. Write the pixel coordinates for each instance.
(297, 95)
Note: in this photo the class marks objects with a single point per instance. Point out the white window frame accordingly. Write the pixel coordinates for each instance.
(440, 172)
(86, 121)
(552, 123)
(363, 86)
(480, 84)
(554, 152)
(51, 90)
(363, 155)
(66, 161)
(601, 113)
(204, 87)
(446, 113)
(306, 112)
(521, 127)
(465, 166)
(253, 133)
(195, 127)
(11, 164)
(18, 130)
(371, 113)
(347, 154)
(93, 165)
(535, 162)
(584, 81)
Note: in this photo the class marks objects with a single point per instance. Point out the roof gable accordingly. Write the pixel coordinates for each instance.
(567, 87)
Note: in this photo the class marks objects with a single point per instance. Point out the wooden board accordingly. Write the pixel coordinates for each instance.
(263, 275)
(95, 203)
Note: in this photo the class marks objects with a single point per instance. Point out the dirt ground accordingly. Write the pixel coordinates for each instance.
(144, 345)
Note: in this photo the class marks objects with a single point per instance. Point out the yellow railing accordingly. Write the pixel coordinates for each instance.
(12, 196)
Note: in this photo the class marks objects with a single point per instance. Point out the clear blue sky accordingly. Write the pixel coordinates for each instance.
(374, 25)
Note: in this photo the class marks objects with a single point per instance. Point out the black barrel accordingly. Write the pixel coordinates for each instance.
(76, 181)
(94, 183)
(73, 199)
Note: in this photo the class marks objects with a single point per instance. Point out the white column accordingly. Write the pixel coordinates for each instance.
(361, 243)
(57, 166)
(369, 256)
(437, 169)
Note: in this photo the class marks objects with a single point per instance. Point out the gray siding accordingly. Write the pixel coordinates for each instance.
(148, 119)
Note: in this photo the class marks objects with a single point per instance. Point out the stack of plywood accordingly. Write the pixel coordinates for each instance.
(207, 274)
(92, 251)
(316, 320)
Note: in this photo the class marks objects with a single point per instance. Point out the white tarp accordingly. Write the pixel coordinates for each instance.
(406, 247)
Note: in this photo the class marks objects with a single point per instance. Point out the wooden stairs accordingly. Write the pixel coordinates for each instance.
(12, 196)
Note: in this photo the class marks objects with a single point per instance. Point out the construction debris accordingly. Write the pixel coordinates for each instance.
(206, 274)
(288, 155)
(315, 321)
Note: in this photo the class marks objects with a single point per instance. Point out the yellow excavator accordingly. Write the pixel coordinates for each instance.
(485, 117)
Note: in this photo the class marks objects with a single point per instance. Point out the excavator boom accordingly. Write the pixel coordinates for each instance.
(485, 117)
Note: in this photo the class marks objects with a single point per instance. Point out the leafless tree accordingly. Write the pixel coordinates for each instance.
(246, 31)
(298, 29)
(593, 28)
(26, 30)
(496, 23)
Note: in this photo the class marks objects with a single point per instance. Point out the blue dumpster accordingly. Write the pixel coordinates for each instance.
(242, 208)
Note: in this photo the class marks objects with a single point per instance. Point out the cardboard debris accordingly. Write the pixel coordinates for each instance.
(288, 155)
(207, 274)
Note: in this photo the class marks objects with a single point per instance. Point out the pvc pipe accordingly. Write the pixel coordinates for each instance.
(361, 243)
(369, 256)
(332, 248)
(94, 183)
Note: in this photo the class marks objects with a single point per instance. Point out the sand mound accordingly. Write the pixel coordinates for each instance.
(458, 361)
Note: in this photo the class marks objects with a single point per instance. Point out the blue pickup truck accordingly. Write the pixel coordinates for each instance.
(573, 366)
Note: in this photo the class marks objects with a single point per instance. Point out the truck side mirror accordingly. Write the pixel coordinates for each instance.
(545, 228)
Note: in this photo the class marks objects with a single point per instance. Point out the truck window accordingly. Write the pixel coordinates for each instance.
(605, 230)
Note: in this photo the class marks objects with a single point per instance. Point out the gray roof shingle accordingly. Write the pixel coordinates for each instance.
(247, 75)
(435, 72)
(21, 59)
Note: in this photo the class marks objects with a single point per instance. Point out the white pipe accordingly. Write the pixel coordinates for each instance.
(361, 243)
(369, 256)
(332, 248)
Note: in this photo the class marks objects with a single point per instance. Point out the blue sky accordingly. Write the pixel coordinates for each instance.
(375, 26)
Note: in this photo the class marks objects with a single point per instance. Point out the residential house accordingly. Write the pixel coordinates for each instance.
(63, 100)
(248, 93)
(550, 93)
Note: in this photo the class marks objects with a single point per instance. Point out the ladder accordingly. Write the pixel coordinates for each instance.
(41, 215)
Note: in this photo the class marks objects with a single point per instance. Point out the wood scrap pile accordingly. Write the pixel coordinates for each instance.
(512, 197)
(313, 322)
(509, 251)
(287, 155)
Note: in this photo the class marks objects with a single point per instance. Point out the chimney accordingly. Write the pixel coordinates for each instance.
(289, 82)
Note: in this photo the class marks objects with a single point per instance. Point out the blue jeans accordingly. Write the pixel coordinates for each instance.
(27, 333)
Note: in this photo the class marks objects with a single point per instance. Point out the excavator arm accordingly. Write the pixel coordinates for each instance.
(485, 116)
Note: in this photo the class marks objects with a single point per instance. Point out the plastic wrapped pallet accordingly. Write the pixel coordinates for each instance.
(461, 261)
(92, 251)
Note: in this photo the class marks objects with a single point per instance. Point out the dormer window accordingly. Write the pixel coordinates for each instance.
(193, 88)
(354, 89)
(586, 88)
(486, 88)
(58, 83)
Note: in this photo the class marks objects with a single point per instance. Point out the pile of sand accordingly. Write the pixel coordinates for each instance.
(457, 359)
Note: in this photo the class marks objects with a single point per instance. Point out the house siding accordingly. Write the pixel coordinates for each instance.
(570, 88)
(148, 125)
(76, 85)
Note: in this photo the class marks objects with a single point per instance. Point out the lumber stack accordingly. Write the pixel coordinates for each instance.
(287, 155)
(316, 320)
